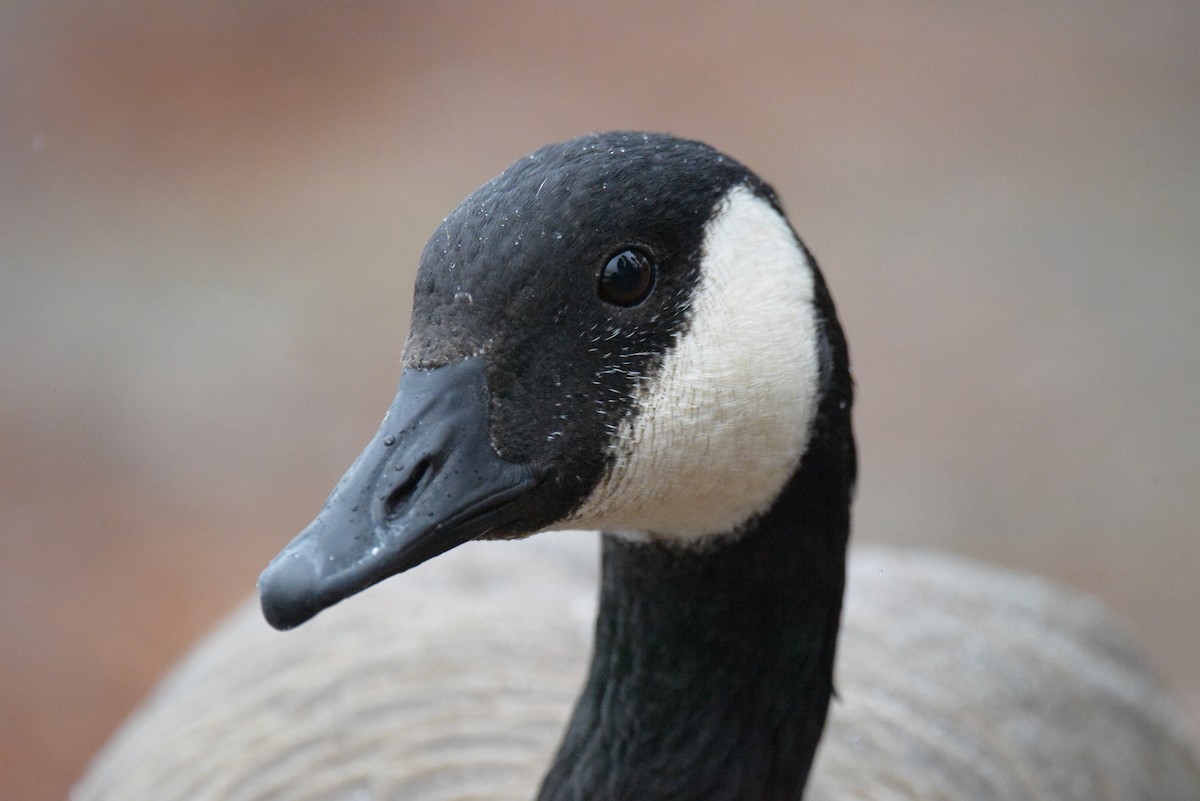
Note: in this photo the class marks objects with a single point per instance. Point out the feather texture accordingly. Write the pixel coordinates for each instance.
(955, 681)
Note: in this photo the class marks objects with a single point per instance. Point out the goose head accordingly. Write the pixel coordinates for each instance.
(620, 332)
(623, 332)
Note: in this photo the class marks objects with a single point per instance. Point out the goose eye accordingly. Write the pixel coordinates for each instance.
(626, 279)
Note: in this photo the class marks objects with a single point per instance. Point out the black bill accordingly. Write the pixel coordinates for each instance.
(429, 480)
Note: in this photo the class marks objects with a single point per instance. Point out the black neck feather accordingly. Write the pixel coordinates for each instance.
(712, 670)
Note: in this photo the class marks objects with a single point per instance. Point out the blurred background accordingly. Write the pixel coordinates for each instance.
(210, 214)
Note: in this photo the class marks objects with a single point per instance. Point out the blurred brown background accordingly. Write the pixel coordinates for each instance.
(209, 221)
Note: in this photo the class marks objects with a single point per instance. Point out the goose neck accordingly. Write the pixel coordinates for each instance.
(712, 668)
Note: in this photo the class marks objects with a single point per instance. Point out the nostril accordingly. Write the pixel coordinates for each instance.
(397, 498)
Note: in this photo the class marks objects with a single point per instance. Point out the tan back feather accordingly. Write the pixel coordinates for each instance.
(956, 681)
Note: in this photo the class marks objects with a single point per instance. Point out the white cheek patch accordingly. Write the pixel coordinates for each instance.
(717, 432)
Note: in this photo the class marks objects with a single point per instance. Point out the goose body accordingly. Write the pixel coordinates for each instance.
(955, 681)
(623, 333)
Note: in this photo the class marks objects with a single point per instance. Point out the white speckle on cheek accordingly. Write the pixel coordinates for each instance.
(718, 431)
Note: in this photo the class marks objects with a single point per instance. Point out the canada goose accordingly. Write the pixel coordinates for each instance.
(622, 332)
